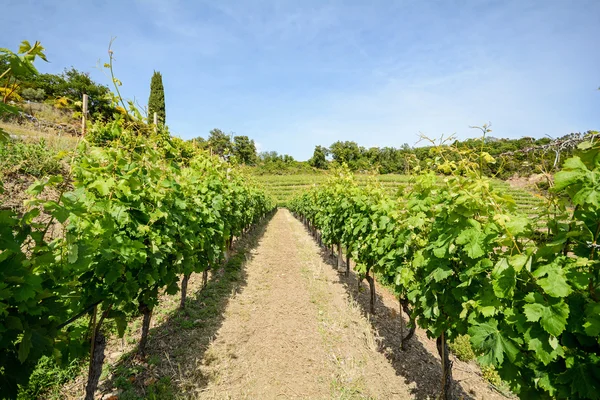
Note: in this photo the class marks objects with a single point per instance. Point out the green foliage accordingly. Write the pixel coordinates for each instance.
(33, 94)
(14, 68)
(76, 83)
(142, 211)
(220, 143)
(70, 86)
(28, 158)
(244, 150)
(506, 157)
(469, 263)
(156, 101)
(31, 293)
(48, 377)
(345, 152)
(461, 348)
(319, 158)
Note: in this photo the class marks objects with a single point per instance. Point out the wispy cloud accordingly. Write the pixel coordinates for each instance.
(295, 74)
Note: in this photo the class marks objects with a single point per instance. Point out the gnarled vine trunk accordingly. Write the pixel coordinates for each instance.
(347, 263)
(446, 382)
(147, 313)
(372, 292)
(204, 278)
(98, 344)
(411, 331)
(184, 285)
(96, 362)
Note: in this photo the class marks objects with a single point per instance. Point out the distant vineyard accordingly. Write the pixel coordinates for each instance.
(284, 188)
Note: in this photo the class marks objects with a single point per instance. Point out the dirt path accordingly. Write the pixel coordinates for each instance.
(291, 333)
(296, 330)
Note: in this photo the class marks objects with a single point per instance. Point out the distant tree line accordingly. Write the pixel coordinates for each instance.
(522, 158)
(235, 148)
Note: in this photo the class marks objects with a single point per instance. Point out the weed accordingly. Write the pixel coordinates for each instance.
(28, 158)
(48, 377)
(461, 348)
(489, 373)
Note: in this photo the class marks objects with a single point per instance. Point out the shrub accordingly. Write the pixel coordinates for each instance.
(33, 94)
(461, 348)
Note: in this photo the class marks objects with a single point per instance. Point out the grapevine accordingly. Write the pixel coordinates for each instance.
(462, 260)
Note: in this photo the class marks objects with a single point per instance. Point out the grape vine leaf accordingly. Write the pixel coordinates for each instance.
(25, 346)
(552, 317)
(592, 324)
(554, 284)
(472, 240)
(487, 338)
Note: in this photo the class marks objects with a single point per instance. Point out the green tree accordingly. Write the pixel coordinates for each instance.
(200, 142)
(244, 149)
(156, 101)
(52, 84)
(345, 152)
(73, 84)
(319, 158)
(220, 143)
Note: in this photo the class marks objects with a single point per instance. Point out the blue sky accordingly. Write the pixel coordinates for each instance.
(294, 74)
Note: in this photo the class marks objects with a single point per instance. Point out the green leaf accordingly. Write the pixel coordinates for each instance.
(73, 252)
(24, 47)
(25, 346)
(519, 261)
(120, 320)
(533, 312)
(103, 186)
(488, 339)
(441, 273)
(114, 272)
(592, 323)
(553, 318)
(13, 323)
(24, 292)
(574, 171)
(503, 279)
(517, 225)
(545, 347)
(472, 240)
(555, 283)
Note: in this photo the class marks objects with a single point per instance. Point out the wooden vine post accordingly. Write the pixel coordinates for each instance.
(155, 122)
(84, 111)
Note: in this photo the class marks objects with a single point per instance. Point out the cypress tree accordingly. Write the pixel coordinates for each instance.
(156, 102)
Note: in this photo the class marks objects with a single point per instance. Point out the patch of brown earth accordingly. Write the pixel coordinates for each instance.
(293, 333)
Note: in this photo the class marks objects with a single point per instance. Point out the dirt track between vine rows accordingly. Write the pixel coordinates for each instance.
(298, 329)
